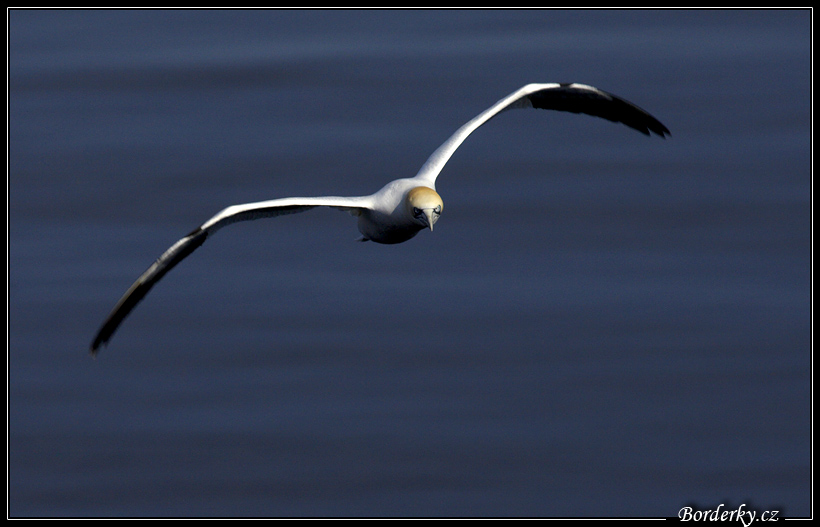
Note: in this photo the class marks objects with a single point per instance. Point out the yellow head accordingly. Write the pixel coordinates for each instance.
(425, 205)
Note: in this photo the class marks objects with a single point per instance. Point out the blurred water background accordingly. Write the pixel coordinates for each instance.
(602, 324)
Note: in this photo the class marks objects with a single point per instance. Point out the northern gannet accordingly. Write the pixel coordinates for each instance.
(403, 207)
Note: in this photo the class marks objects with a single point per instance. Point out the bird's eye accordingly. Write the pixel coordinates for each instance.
(416, 211)
(437, 210)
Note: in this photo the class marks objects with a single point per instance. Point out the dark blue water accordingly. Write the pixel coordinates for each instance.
(602, 324)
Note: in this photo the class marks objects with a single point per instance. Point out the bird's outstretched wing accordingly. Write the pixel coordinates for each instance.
(181, 249)
(575, 98)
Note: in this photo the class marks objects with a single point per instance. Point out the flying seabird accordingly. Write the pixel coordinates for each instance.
(403, 207)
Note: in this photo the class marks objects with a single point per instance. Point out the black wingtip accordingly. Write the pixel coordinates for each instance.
(95, 347)
(659, 129)
(144, 283)
(580, 98)
(104, 334)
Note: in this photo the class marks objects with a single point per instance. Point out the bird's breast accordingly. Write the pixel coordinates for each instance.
(384, 228)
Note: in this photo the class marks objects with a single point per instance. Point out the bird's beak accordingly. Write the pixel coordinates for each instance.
(428, 214)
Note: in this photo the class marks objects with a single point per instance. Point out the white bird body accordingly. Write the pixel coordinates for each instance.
(403, 207)
(390, 218)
